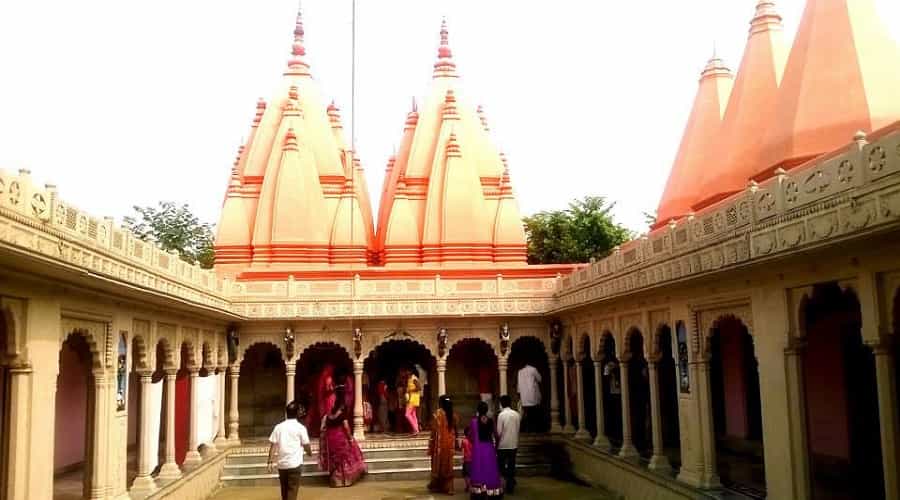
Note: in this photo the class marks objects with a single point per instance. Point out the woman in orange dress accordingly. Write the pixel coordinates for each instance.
(441, 446)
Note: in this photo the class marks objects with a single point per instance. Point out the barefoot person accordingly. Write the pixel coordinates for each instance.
(288, 441)
(339, 453)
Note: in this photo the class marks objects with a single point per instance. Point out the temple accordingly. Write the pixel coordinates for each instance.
(744, 347)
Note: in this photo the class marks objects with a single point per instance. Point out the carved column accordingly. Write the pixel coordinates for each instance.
(502, 368)
(144, 484)
(192, 459)
(358, 428)
(601, 441)
(569, 428)
(628, 450)
(20, 406)
(793, 361)
(233, 415)
(99, 432)
(442, 375)
(582, 432)
(554, 396)
(887, 413)
(658, 461)
(291, 370)
(710, 477)
(221, 441)
(170, 470)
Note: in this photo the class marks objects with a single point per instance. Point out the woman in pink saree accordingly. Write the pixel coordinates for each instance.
(324, 398)
(339, 453)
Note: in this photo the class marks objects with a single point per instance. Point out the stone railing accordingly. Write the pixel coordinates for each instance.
(37, 221)
(853, 190)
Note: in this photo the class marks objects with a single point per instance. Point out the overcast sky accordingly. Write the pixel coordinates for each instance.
(126, 102)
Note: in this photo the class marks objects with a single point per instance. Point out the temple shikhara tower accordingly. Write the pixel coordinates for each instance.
(743, 347)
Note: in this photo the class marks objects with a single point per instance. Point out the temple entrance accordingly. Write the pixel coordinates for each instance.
(842, 420)
(612, 390)
(261, 390)
(737, 416)
(590, 392)
(639, 395)
(668, 397)
(531, 351)
(388, 367)
(472, 376)
(74, 410)
(320, 369)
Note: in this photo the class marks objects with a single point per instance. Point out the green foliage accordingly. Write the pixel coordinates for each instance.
(174, 228)
(584, 230)
(649, 218)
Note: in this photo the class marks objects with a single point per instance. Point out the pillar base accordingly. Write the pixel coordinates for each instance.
(710, 481)
(143, 487)
(209, 449)
(659, 463)
(192, 459)
(628, 451)
(582, 435)
(555, 428)
(602, 442)
(169, 472)
(221, 442)
(689, 477)
(234, 441)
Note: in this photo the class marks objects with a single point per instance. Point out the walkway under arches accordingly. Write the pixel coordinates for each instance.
(319, 369)
(387, 362)
(530, 350)
(638, 394)
(261, 390)
(668, 396)
(472, 376)
(73, 433)
(611, 390)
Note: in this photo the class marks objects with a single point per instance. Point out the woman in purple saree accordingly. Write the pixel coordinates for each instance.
(485, 474)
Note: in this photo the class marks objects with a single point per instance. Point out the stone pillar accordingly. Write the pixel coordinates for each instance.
(628, 450)
(554, 396)
(796, 393)
(442, 375)
(887, 413)
(502, 369)
(192, 459)
(144, 484)
(20, 404)
(221, 441)
(710, 478)
(291, 370)
(233, 415)
(169, 470)
(99, 431)
(569, 428)
(658, 461)
(582, 433)
(358, 422)
(601, 441)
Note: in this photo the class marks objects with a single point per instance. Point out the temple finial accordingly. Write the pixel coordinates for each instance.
(298, 50)
(444, 65)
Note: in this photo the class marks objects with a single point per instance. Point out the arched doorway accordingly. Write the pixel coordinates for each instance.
(387, 363)
(262, 386)
(74, 408)
(668, 396)
(530, 351)
(472, 376)
(639, 394)
(737, 415)
(320, 368)
(612, 390)
(588, 386)
(843, 431)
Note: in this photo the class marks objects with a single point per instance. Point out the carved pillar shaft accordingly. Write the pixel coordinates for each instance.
(568, 428)
(887, 412)
(233, 415)
(170, 470)
(582, 432)
(99, 432)
(502, 369)
(144, 482)
(221, 441)
(192, 459)
(793, 360)
(442, 376)
(628, 450)
(710, 477)
(658, 461)
(601, 441)
(17, 481)
(358, 422)
(291, 370)
(554, 397)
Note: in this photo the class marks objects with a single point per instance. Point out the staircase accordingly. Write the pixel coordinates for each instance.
(387, 458)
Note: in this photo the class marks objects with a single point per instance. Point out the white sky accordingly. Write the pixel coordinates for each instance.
(125, 102)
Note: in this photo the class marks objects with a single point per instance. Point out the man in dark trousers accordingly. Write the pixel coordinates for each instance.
(288, 441)
(508, 421)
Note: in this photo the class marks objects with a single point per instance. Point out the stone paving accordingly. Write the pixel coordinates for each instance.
(528, 488)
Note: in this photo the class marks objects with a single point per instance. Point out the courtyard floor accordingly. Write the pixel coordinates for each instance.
(528, 487)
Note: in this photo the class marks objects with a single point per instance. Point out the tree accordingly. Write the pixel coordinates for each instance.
(174, 228)
(584, 230)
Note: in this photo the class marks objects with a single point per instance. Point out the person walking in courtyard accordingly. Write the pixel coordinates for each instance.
(413, 399)
(528, 383)
(466, 445)
(485, 475)
(441, 446)
(425, 394)
(486, 385)
(339, 453)
(508, 421)
(288, 441)
(382, 411)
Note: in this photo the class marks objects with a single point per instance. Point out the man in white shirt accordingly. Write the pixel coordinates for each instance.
(529, 385)
(508, 421)
(288, 441)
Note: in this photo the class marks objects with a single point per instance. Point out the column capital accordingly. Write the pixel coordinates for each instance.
(144, 374)
(442, 363)
(171, 373)
(290, 369)
(234, 370)
(883, 345)
(357, 366)
(194, 371)
(21, 368)
(795, 346)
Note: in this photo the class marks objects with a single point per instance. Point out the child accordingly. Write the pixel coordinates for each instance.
(466, 445)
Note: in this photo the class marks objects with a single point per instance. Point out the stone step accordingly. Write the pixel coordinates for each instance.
(255, 467)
